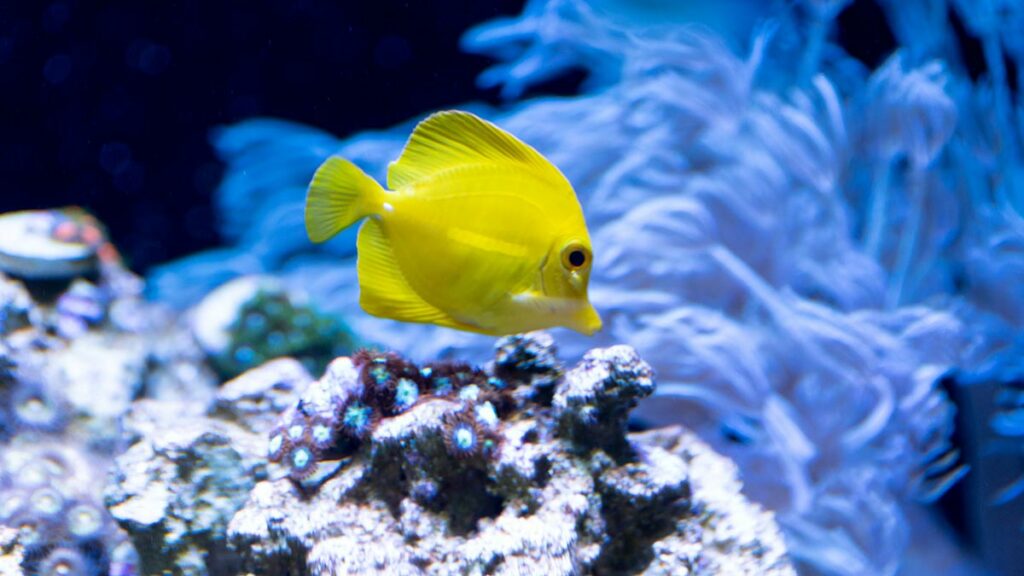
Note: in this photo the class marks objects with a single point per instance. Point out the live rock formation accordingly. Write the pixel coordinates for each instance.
(526, 468)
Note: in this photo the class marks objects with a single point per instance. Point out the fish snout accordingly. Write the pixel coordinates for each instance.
(586, 321)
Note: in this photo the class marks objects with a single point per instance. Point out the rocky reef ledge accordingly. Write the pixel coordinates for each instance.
(387, 467)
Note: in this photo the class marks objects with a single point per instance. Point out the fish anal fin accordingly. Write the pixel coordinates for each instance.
(452, 138)
(383, 289)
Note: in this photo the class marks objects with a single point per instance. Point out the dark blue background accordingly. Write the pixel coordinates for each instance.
(109, 104)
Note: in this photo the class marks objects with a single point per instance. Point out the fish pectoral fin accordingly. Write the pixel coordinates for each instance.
(383, 289)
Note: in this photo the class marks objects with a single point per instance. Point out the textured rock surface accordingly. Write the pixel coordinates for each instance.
(252, 319)
(49, 499)
(705, 525)
(526, 468)
(593, 402)
(16, 307)
(10, 552)
(98, 391)
(75, 353)
(560, 489)
(728, 534)
(255, 398)
(179, 483)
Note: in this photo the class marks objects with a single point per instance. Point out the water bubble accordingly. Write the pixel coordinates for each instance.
(115, 157)
(6, 48)
(56, 16)
(131, 179)
(148, 57)
(392, 52)
(245, 355)
(57, 69)
(154, 59)
(255, 322)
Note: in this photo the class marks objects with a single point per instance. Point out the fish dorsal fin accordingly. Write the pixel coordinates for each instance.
(451, 139)
(383, 289)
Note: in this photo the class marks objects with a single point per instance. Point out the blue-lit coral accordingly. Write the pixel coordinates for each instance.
(389, 385)
(407, 392)
(594, 403)
(271, 324)
(77, 346)
(86, 520)
(357, 419)
(276, 444)
(300, 458)
(778, 229)
(462, 435)
(298, 443)
(448, 486)
(35, 408)
(321, 432)
(65, 562)
(393, 382)
(61, 527)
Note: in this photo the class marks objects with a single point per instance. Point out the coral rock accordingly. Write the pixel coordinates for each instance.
(594, 400)
(16, 307)
(558, 489)
(538, 503)
(11, 553)
(339, 383)
(256, 397)
(531, 358)
(99, 392)
(177, 487)
(28, 250)
(726, 533)
(252, 319)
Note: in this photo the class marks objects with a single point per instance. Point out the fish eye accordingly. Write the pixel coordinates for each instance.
(575, 256)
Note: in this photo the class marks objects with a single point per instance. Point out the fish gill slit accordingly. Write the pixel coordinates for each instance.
(540, 273)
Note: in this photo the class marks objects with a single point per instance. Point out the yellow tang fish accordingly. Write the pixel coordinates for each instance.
(478, 232)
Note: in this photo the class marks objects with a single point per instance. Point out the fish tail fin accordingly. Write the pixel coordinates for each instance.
(339, 195)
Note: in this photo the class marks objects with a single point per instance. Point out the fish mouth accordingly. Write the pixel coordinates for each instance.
(586, 321)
